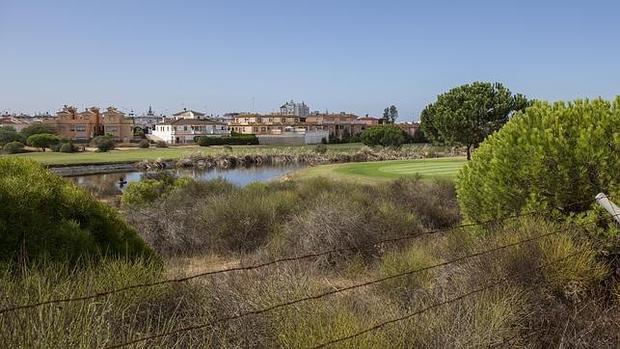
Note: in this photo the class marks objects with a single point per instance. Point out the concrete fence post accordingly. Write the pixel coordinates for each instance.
(604, 201)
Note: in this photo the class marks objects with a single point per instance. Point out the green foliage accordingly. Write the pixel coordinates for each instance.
(68, 148)
(161, 144)
(551, 155)
(151, 188)
(467, 114)
(320, 149)
(104, 143)
(45, 217)
(37, 128)
(144, 144)
(418, 137)
(385, 135)
(13, 148)
(138, 132)
(237, 139)
(43, 140)
(145, 191)
(390, 114)
(8, 135)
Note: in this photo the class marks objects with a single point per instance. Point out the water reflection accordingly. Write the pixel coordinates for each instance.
(113, 184)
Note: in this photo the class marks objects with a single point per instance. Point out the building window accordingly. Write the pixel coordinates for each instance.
(80, 128)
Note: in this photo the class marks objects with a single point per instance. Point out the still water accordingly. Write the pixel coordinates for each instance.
(112, 184)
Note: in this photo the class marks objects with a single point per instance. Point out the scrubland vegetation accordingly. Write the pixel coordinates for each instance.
(420, 256)
(197, 227)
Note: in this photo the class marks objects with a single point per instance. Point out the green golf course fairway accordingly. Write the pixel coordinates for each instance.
(379, 171)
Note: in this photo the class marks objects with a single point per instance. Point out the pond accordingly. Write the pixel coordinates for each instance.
(113, 184)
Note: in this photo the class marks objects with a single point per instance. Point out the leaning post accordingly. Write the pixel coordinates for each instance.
(604, 201)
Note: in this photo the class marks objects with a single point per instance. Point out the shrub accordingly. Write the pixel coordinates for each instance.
(412, 258)
(13, 148)
(161, 144)
(179, 228)
(433, 202)
(332, 223)
(143, 192)
(68, 148)
(104, 143)
(237, 139)
(384, 135)
(144, 144)
(320, 149)
(8, 135)
(37, 128)
(43, 140)
(551, 155)
(43, 216)
(241, 221)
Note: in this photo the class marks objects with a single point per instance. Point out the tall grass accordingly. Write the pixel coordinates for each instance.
(205, 222)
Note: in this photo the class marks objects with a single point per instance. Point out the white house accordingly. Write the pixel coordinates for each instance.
(188, 114)
(186, 131)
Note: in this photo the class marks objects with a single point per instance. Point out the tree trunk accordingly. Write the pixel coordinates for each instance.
(468, 152)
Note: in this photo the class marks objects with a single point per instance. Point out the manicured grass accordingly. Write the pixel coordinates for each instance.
(130, 155)
(380, 171)
(172, 153)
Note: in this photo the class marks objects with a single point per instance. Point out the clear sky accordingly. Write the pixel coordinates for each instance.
(340, 55)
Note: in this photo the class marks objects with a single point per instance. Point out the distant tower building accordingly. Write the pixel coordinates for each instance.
(297, 109)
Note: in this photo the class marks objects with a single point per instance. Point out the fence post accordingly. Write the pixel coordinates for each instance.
(604, 201)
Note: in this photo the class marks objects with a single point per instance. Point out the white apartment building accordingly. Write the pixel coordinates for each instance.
(295, 109)
(186, 131)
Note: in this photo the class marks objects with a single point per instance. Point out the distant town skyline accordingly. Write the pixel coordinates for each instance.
(340, 56)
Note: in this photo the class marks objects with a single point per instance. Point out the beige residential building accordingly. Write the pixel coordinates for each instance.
(83, 126)
(265, 124)
(337, 125)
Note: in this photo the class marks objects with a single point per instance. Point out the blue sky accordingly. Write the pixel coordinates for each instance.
(339, 55)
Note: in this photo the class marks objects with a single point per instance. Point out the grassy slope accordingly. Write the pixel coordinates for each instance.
(373, 172)
(135, 155)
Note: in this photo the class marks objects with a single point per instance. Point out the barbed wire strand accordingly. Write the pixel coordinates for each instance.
(275, 261)
(329, 293)
(436, 305)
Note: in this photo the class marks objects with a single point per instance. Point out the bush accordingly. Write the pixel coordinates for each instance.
(551, 155)
(37, 128)
(143, 192)
(144, 144)
(161, 144)
(45, 217)
(68, 148)
(8, 135)
(412, 258)
(242, 220)
(320, 149)
(43, 140)
(237, 139)
(332, 223)
(13, 148)
(104, 143)
(384, 135)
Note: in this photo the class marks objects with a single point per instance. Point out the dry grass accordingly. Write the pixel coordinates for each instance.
(567, 304)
